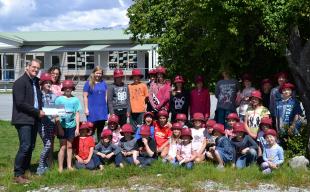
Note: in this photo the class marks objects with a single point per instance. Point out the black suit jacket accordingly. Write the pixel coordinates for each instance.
(24, 112)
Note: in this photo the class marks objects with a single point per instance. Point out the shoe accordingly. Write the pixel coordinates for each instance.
(101, 167)
(267, 171)
(220, 167)
(41, 170)
(21, 180)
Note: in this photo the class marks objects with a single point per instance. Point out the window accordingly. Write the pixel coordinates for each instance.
(55, 61)
(80, 60)
(123, 59)
(41, 58)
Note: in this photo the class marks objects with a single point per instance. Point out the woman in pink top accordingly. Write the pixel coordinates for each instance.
(200, 98)
(56, 74)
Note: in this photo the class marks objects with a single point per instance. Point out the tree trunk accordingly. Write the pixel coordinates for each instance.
(299, 63)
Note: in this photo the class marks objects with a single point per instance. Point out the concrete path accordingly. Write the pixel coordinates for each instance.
(6, 106)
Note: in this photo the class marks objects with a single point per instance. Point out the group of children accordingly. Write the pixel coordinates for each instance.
(179, 142)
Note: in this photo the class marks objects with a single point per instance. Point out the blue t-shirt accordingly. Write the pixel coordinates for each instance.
(72, 105)
(97, 104)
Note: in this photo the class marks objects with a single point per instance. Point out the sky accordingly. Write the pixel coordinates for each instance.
(55, 15)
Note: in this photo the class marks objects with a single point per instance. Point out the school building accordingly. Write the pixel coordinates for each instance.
(75, 52)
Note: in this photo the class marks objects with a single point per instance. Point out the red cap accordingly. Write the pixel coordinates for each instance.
(179, 79)
(219, 127)
(136, 72)
(186, 132)
(118, 73)
(199, 79)
(265, 81)
(198, 116)
(148, 114)
(176, 126)
(106, 133)
(152, 72)
(45, 77)
(181, 116)
(127, 128)
(239, 127)
(68, 84)
(211, 123)
(233, 116)
(256, 94)
(270, 132)
(282, 74)
(163, 113)
(113, 119)
(145, 130)
(86, 125)
(286, 86)
(266, 121)
(161, 69)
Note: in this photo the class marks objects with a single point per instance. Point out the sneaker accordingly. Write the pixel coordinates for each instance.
(40, 171)
(267, 171)
(220, 167)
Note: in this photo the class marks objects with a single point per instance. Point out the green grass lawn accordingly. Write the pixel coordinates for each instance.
(113, 177)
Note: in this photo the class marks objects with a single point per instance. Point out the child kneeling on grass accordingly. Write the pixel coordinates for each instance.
(273, 154)
(68, 128)
(186, 154)
(223, 151)
(128, 143)
(146, 148)
(106, 151)
(84, 149)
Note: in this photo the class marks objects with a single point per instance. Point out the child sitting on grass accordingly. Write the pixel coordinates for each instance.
(273, 154)
(113, 125)
(106, 151)
(146, 148)
(265, 124)
(84, 149)
(174, 142)
(128, 143)
(186, 154)
(231, 119)
(199, 139)
(162, 133)
(68, 128)
(223, 151)
(149, 121)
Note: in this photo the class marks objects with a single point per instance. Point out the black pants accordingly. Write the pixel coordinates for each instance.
(99, 125)
(122, 114)
(27, 135)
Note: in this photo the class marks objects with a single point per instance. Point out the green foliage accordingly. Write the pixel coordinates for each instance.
(200, 37)
(297, 145)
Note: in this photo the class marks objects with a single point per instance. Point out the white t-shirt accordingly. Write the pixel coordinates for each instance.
(198, 138)
(173, 147)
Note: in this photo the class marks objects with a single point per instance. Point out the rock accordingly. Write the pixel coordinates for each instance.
(299, 162)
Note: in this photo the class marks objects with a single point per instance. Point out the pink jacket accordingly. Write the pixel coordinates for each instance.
(159, 95)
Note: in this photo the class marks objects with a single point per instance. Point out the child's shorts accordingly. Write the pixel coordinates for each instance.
(69, 133)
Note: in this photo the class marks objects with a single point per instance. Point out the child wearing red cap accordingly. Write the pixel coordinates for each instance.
(174, 142)
(68, 128)
(273, 154)
(275, 95)
(254, 114)
(179, 98)
(232, 119)
(106, 151)
(208, 133)
(186, 155)
(223, 151)
(118, 97)
(84, 149)
(288, 114)
(162, 133)
(148, 120)
(182, 119)
(146, 148)
(199, 138)
(128, 143)
(48, 127)
(113, 125)
(246, 148)
(265, 124)
(243, 98)
(266, 86)
(138, 92)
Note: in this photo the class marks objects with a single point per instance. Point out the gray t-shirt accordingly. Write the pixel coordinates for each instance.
(127, 145)
(226, 93)
(118, 98)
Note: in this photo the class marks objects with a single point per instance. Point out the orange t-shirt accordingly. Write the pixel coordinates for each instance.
(138, 93)
(162, 134)
(82, 146)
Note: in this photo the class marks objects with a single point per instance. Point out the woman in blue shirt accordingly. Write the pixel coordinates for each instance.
(95, 101)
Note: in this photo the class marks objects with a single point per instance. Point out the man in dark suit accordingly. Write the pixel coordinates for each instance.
(27, 105)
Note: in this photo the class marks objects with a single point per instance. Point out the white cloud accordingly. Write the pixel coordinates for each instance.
(16, 7)
(80, 20)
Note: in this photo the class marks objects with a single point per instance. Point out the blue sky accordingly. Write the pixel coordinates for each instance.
(51, 15)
